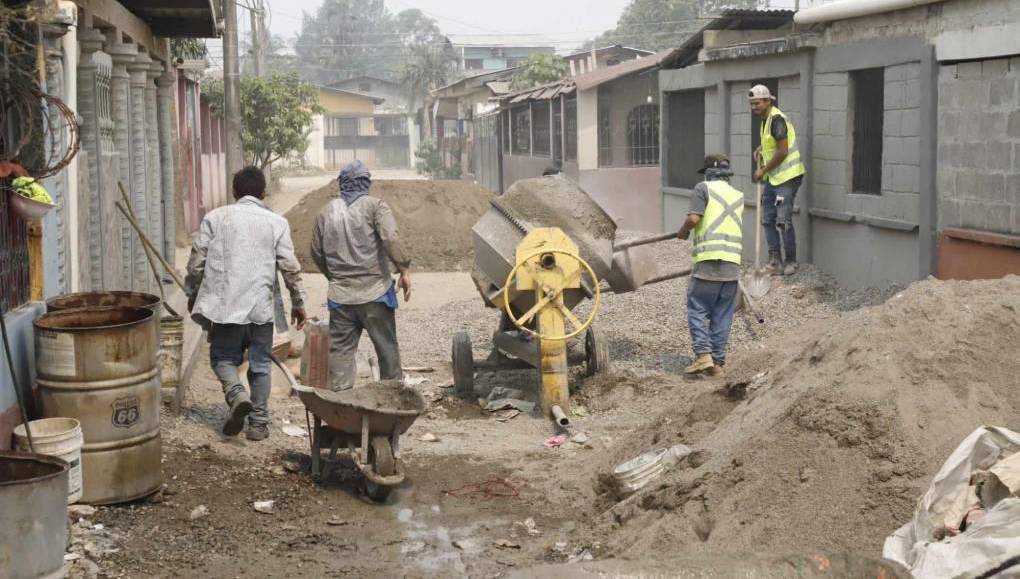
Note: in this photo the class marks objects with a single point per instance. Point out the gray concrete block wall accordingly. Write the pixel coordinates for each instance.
(740, 137)
(924, 21)
(713, 121)
(979, 146)
(901, 145)
(830, 158)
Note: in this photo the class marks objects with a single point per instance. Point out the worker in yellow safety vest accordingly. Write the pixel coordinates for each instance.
(716, 217)
(781, 170)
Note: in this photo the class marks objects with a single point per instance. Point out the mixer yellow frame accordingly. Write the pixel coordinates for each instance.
(548, 277)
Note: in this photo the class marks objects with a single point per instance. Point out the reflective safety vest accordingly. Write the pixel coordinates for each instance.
(791, 166)
(719, 233)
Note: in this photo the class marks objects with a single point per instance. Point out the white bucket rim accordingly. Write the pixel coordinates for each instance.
(45, 428)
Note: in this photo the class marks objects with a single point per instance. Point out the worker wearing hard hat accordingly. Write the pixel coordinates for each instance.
(716, 217)
(781, 171)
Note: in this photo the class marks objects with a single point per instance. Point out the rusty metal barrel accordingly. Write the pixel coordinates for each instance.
(119, 299)
(98, 365)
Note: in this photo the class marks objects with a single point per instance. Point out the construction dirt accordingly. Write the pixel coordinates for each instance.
(434, 219)
(825, 439)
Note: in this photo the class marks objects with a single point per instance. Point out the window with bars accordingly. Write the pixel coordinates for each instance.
(541, 124)
(504, 120)
(557, 130)
(570, 129)
(869, 112)
(521, 129)
(643, 135)
(605, 136)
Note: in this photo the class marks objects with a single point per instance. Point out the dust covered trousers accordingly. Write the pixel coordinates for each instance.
(352, 245)
(346, 324)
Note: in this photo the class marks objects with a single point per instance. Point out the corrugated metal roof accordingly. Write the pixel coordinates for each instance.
(734, 19)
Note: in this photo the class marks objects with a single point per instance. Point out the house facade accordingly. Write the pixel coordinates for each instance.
(353, 126)
(488, 53)
(588, 60)
(904, 139)
(602, 127)
(109, 63)
(394, 96)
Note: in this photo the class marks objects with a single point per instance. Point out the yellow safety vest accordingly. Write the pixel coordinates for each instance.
(719, 234)
(791, 166)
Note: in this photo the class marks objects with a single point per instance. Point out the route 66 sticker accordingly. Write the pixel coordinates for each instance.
(126, 412)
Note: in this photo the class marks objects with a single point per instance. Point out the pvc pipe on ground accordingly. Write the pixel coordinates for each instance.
(560, 417)
(845, 9)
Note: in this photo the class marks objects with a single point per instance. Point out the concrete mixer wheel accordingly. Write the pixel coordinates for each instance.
(463, 366)
(596, 352)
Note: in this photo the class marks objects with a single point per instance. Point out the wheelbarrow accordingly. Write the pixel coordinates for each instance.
(363, 424)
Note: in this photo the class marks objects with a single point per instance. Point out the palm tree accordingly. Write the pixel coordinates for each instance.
(427, 68)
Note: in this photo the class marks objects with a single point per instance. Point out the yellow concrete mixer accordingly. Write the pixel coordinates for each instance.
(543, 248)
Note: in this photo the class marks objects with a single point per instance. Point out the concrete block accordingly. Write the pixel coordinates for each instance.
(838, 123)
(1013, 124)
(906, 178)
(969, 69)
(1014, 64)
(1002, 92)
(820, 119)
(997, 218)
(949, 125)
(966, 184)
(947, 72)
(949, 96)
(911, 94)
(949, 154)
(999, 157)
(898, 72)
(995, 67)
(740, 123)
(972, 215)
(741, 143)
(830, 172)
(902, 150)
(972, 156)
(832, 148)
(887, 178)
(970, 127)
(949, 213)
(1013, 190)
(993, 124)
(831, 98)
(892, 125)
(992, 188)
(910, 123)
(831, 79)
(946, 183)
(1016, 157)
(855, 203)
(1015, 227)
(790, 101)
(893, 95)
(871, 205)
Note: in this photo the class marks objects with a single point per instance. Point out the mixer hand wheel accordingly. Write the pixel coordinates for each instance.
(553, 296)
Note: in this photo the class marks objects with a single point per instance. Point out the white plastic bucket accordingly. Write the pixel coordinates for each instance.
(59, 437)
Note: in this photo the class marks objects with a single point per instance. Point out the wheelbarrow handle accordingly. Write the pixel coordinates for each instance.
(646, 240)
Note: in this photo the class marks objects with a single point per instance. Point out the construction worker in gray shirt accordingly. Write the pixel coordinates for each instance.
(354, 240)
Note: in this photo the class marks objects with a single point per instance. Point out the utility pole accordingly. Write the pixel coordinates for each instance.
(231, 92)
(258, 39)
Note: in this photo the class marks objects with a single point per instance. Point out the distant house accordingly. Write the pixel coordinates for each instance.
(906, 119)
(394, 95)
(588, 60)
(352, 127)
(490, 53)
(602, 127)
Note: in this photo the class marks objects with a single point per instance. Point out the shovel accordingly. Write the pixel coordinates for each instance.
(758, 283)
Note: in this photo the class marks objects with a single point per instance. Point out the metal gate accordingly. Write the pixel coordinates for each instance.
(486, 153)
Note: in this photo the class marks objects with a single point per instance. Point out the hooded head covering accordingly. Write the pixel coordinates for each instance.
(355, 181)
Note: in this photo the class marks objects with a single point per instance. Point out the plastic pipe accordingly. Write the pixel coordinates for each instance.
(560, 417)
(846, 9)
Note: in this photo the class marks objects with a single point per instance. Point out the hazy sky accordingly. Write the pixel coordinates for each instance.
(564, 21)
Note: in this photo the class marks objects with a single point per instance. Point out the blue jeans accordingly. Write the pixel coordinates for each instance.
(779, 218)
(710, 307)
(227, 344)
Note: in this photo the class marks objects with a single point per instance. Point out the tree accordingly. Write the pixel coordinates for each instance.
(347, 38)
(538, 69)
(661, 24)
(428, 67)
(276, 114)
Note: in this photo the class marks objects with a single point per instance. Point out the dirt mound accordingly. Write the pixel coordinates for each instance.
(434, 218)
(831, 449)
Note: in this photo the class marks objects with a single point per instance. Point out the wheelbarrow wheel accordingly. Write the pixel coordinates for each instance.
(596, 352)
(380, 456)
(463, 366)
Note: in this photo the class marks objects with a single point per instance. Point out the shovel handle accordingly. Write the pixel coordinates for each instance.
(646, 240)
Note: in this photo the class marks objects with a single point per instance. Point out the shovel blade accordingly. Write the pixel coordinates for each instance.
(757, 284)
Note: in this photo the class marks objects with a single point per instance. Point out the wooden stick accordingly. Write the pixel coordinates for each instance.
(148, 254)
(145, 240)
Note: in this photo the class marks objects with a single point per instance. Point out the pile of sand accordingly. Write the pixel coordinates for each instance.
(830, 449)
(434, 219)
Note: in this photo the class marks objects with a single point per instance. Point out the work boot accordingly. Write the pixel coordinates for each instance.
(790, 268)
(239, 410)
(716, 372)
(257, 432)
(774, 266)
(701, 363)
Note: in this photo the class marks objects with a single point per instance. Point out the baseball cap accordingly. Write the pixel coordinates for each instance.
(716, 161)
(760, 91)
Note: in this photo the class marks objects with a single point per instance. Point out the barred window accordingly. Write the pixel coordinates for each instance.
(541, 128)
(869, 112)
(504, 122)
(557, 129)
(570, 129)
(605, 136)
(521, 126)
(643, 135)
(15, 289)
